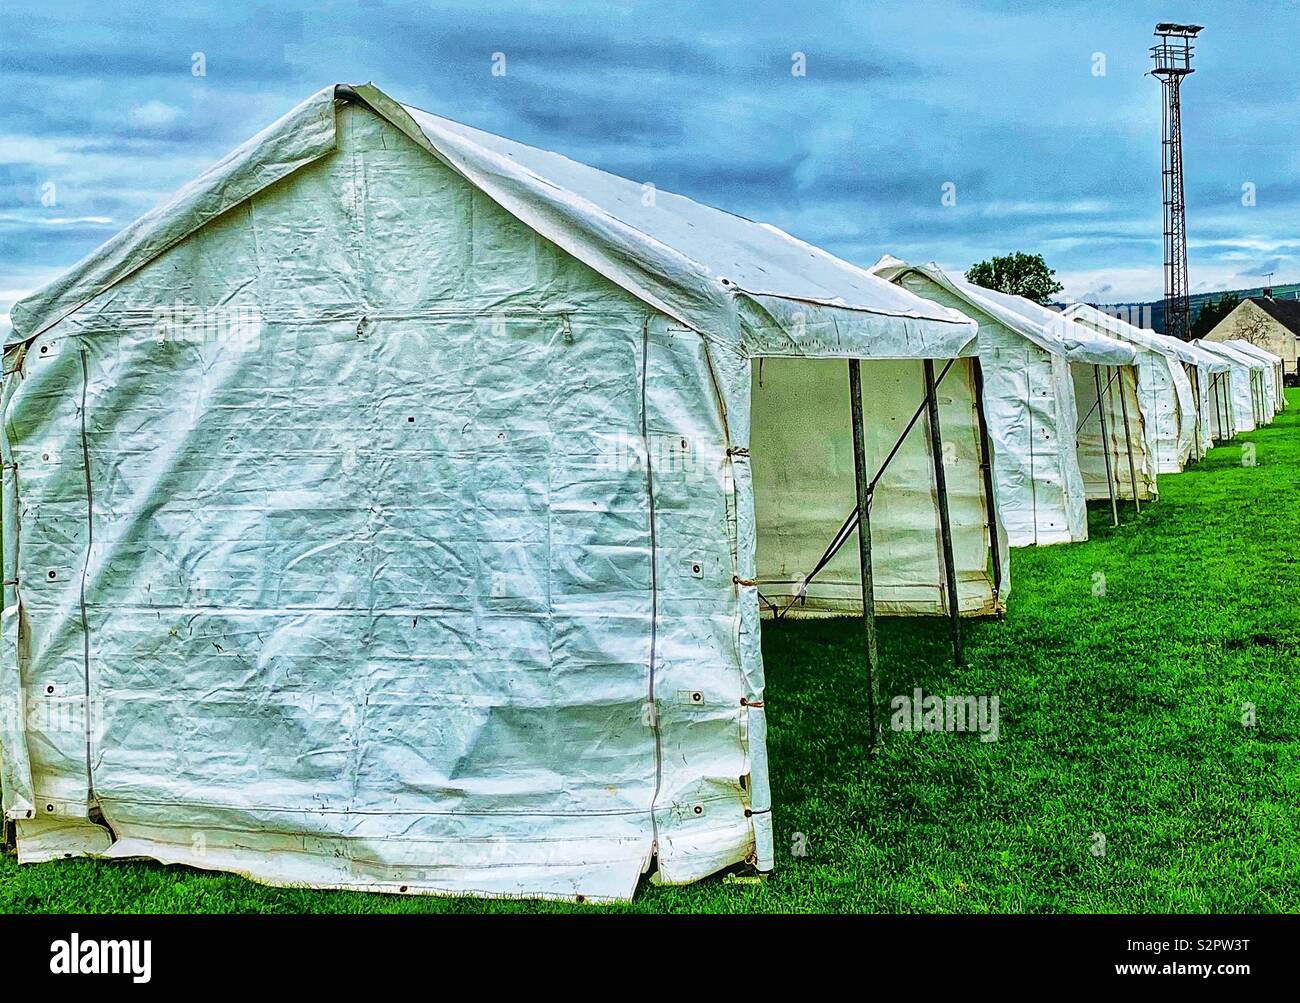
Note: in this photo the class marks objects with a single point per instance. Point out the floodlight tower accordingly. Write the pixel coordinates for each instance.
(1173, 61)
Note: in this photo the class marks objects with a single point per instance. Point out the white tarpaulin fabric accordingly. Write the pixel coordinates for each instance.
(1028, 399)
(1205, 371)
(1114, 443)
(1247, 391)
(380, 508)
(1272, 385)
(1218, 407)
(1193, 360)
(1169, 405)
(804, 486)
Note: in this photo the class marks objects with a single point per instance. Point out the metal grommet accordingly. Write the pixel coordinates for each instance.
(695, 568)
(49, 807)
(697, 697)
(402, 889)
(698, 809)
(50, 688)
(44, 349)
(51, 574)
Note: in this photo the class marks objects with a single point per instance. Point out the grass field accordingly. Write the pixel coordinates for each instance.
(1121, 718)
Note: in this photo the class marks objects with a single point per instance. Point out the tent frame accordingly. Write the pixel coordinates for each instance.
(860, 518)
(1104, 393)
(864, 488)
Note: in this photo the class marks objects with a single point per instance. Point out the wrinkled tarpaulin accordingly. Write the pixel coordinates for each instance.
(1026, 353)
(1163, 387)
(1247, 392)
(378, 514)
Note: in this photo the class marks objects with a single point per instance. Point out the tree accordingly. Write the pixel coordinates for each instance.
(1253, 326)
(1020, 274)
(1212, 312)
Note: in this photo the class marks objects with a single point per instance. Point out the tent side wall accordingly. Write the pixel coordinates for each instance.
(1161, 411)
(1093, 448)
(381, 583)
(1241, 387)
(1039, 488)
(802, 458)
(1164, 394)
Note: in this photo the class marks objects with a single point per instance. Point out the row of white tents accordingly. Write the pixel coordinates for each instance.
(396, 506)
(1079, 405)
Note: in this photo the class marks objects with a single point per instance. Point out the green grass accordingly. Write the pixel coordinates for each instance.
(1121, 714)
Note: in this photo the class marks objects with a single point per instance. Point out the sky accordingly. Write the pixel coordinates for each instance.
(1038, 120)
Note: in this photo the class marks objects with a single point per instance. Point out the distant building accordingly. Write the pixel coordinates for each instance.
(1272, 324)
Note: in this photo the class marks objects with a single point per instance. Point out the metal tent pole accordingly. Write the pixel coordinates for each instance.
(1105, 446)
(1200, 410)
(1128, 440)
(864, 554)
(945, 524)
(986, 465)
(1218, 416)
(1221, 404)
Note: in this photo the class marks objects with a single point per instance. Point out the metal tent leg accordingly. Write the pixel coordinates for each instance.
(1105, 446)
(1200, 411)
(986, 466)
(945, 524)
(1128, 439)
(861, 478)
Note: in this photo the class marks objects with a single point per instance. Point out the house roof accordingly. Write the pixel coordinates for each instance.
(722, 274)
(1285, 312)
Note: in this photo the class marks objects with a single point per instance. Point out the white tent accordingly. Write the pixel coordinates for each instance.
(1029, 399)
(1273, 383)
(1113, 437)
(1199, 367)
(1163, 387)
(1210, 376)
(379, 508)
(1247, 384)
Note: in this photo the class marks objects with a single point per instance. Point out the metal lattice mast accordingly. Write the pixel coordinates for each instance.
(1173, 61)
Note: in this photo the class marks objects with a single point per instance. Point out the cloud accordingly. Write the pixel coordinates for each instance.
(154, 115)
(1045, 155)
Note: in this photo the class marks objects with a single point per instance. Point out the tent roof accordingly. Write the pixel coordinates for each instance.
(705, 267)
(1039, 325)
(1119, 328)
(1211, 362)
(1181, 350)
(1234, 355)
(1263, 354)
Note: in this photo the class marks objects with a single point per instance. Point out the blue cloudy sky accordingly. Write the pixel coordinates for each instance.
(1002, 99)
